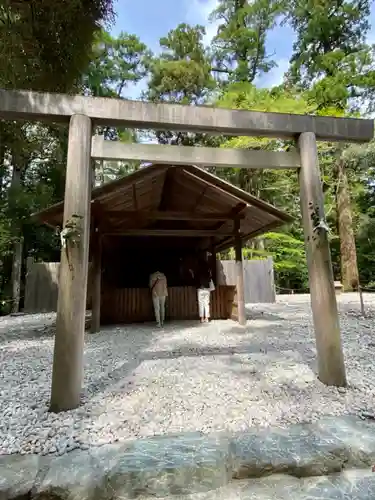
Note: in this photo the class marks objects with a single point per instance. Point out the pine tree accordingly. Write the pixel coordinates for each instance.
(181, 74)
(239, 48)
(330, 56)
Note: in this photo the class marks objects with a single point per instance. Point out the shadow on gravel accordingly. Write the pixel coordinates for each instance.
(111, 379)
(138, 348)
(191, 351)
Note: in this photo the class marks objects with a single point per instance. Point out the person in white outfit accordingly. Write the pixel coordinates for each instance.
(204, 288)
(159, 292)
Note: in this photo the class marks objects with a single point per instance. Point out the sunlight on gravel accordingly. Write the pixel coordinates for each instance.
(141, 381)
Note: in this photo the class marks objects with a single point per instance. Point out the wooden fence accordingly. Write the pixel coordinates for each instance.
(42, 287)
(258, 279)
(42, 283)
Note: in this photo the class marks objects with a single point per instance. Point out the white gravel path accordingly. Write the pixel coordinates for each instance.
(141, 381)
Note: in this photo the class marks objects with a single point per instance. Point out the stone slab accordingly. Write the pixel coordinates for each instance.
(74, 476)
(349, 485)
(18, 474)
(153, 467)
(306, 449)
(197, 464)
(171, 466)
(357, 436)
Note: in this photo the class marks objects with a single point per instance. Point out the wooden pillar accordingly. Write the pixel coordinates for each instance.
(96, 283)
(239, 274)
(331, 366)
(213, 263)
(67, 371)
(93, 174)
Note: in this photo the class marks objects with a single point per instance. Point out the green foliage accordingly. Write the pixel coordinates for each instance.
(289, 257)
(278, 187)
(115, 63)
(360, 165)
(46, 44)
(332, 62)
(281, 187)
(330, 56)
(181, 74)
(239, 48)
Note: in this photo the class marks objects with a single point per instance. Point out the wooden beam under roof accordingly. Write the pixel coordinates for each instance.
(184, 233)
(170, 215)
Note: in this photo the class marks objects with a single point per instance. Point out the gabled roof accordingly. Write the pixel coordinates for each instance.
(184, 189)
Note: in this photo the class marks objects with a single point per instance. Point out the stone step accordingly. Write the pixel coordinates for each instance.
(193, 463)
(303, 450)
(348, 485)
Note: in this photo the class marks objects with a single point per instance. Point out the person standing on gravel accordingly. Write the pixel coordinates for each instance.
(205, 286)
(159, 293)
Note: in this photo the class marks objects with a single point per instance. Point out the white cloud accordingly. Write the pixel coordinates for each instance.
(133, 91)
(275, 76)
(371, 35)
(198, 13)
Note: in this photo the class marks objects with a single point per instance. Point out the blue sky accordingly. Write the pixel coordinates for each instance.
(152, 19)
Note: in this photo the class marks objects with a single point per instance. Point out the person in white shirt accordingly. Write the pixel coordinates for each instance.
(204, 283)
(159, 292)
(205, 286)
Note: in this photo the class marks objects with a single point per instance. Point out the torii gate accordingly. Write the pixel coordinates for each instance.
(82, 113)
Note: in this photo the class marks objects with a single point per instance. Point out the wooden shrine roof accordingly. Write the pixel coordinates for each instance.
(183, 201)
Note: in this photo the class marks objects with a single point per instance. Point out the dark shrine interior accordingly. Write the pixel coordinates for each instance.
(128, 262)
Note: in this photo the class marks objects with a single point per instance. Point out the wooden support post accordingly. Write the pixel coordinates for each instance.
(213, 262)
(67, 371)
(239, 273)
(322, 290)
(96, 283)
(93, 174)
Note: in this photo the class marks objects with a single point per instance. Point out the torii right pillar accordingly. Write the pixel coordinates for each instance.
(331, 367)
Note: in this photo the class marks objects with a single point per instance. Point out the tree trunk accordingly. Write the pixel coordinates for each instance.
(348, 252)
(259, 244)
(16, 274)
(2, 160)
(17, 250)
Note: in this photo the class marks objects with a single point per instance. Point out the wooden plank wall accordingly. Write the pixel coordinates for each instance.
(258, 279)
(133, 305)
(42, 285)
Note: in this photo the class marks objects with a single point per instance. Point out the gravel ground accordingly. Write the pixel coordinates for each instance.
(141, 381)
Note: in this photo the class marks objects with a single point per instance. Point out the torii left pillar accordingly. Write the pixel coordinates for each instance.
(67, 373)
